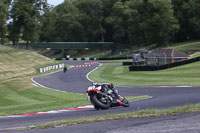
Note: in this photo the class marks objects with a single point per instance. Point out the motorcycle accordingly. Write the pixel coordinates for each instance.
(65, 69)
(103, 97)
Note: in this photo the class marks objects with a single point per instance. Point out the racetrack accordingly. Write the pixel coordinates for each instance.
(75, 81)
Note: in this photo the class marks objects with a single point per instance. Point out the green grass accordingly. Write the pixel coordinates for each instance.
(17, 63)
(187, 46)
(187, 75)
(60, 55)
(17, 92)
(17, 97)
(135, 98)
(197, 54)
(139, 114)
(111, 64)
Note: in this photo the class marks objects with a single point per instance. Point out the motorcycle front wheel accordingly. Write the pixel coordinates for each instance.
(98, 103)
(125, 103)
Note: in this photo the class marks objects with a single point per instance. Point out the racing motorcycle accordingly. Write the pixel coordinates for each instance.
(103, 97)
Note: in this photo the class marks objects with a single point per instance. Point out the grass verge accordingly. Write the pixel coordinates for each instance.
(139, 114)
(19, 63)
(187, 75)
(187, 46)
(135, 98)
(197, 54)
(18, 94)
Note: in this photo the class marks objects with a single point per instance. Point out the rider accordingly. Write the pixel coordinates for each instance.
(65, 68)
(109, 86)
(116, 92)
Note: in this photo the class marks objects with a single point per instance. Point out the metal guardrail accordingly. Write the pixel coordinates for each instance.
(52, 67)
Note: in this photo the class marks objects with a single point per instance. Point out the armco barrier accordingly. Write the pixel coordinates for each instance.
(52, 67)
(127, 63)
(154, 68)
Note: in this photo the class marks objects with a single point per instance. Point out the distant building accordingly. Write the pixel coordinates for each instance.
(164, 56)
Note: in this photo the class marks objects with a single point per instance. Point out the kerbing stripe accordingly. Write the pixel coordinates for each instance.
(49, 112)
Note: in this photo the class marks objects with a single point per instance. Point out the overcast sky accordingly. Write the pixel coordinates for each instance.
(54, 2)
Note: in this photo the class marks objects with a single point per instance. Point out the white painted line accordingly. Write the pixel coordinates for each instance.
(46, 86)
(53, 112)
(91, 72)
(88, 106)
(38, 83)
(12, 116)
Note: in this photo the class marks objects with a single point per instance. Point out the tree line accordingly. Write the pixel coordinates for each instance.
(126, 22)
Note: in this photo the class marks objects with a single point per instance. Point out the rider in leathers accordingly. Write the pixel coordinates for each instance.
(116, 92)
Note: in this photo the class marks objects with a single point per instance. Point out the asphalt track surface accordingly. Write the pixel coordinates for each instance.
(75, 81)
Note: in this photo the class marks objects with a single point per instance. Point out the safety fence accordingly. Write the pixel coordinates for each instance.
(52, 67)
(161, 67)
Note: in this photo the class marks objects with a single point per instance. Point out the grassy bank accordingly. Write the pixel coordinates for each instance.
(18, 63)
(187, 75)
(17, 92)
(187, 46)
(197, 54)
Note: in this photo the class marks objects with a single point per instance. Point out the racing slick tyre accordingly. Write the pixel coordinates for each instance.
(125, 103)
(100, 104)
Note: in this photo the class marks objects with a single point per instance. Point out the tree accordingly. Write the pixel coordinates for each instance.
(187, 13)
(48, 30)
(150, 21)
(118, 20)
(25, 22)
(68, 26)
(143, 22)
(107, 26)
(4, 6)
(91, 17)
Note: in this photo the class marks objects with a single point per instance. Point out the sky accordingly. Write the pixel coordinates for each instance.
(55, 2)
